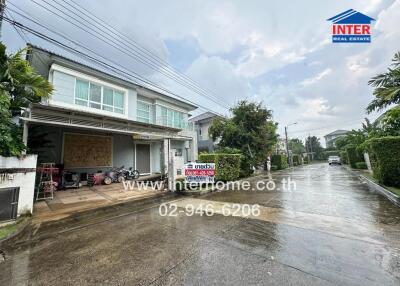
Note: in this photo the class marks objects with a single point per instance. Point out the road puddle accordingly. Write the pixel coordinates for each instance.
(340, 227)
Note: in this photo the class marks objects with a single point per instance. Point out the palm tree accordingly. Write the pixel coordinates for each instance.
(20, 86)
(387, 86)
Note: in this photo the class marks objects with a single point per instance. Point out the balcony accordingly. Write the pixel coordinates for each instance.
(181, 124)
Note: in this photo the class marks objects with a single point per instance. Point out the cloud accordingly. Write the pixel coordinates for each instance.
(263, 50)
(312, 80)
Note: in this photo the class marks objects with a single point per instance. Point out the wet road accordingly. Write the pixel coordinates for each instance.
(331, 230)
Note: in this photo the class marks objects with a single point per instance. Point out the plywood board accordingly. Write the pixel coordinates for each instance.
(85, 151)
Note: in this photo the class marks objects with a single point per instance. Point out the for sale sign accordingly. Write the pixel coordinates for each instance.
(199, 172)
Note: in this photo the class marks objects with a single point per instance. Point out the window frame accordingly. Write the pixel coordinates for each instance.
(88, 78)
(101, 103)
(142, 118)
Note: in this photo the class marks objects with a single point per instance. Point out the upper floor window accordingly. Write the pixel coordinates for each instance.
(99, 97)
(172, 118)
(143, 112)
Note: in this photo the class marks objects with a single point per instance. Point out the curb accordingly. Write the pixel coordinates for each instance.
(376, 187)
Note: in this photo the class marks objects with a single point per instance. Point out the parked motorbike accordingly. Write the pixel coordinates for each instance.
(116, 175)
(131, 174)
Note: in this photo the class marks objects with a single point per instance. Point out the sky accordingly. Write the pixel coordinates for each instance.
(275, 52)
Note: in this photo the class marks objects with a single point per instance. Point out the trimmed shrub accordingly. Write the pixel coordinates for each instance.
(227, 166)
(343, 157)
(274, 167)
(280, 161)
(297, 160)
(353, 155)
(384, 154)
(361, 165)
(305, 160)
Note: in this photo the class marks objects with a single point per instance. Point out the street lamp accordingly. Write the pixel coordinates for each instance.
(287, 144)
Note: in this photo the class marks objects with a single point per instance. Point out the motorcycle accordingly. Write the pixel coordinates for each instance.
(131, 174)
(116, 175)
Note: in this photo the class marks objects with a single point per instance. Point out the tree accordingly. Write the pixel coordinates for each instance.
(20, 86)
(341, 142)
(387, 86)
(313, 145)
(297, 146)
(391, 122)
(251, 130)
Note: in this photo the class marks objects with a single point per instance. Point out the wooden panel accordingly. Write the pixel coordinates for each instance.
(81, 151)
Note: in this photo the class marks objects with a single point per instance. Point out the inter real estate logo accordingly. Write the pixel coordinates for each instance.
(351, 27)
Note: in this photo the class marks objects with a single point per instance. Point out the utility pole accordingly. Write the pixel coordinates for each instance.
(310, 142)
(287, 144)
(2, 6)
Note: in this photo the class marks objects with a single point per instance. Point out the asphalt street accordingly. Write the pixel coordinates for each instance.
(330, 230)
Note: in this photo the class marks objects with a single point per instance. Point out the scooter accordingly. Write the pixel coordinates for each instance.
(114, 176)
(131, 174)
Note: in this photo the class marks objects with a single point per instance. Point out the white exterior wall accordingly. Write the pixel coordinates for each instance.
(25, 181)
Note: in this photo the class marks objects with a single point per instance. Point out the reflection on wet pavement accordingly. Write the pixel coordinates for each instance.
(331, 230)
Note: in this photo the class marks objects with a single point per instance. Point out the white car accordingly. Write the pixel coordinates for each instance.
(334, 160)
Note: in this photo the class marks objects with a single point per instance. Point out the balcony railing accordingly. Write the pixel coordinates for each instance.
(184, 125)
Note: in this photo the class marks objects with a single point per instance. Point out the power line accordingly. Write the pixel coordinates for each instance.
(120, 47)
(325, 127)
(143, 51)
(93, 59)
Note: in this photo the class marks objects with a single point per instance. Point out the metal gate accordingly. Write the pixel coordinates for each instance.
(8, 203)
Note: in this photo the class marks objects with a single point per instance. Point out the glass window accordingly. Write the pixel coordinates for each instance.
(81, 92)
(164, 116)
(118, 102)
(99, 97)
(143, 112)
(108, 96)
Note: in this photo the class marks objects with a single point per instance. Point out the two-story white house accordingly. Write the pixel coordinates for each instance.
(330, 139)
(95, 120)
(202, 123)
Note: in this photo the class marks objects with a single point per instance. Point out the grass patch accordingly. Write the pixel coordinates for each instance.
(7, 230)
(13, 227)
(394, 190)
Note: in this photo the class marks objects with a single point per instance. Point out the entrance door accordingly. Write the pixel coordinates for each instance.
(143, 158)
(8, 203)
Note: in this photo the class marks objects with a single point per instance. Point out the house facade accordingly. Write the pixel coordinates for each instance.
(95, 120)
(280, 147)
(202, 123)
(331, 138)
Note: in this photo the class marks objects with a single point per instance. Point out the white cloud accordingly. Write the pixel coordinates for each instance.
(263, 50)
(318, 77)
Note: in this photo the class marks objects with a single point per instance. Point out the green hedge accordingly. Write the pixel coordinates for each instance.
(305, 160)
(343, 157)
(361, 165)
(353, 156)
(274, 167)
(280, 161)
(296, 160)
(227, 166)
(384, 154)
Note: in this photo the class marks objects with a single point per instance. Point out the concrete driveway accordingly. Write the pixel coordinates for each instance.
(331, 230)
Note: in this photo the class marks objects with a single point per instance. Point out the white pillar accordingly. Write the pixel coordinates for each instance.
(25, 136)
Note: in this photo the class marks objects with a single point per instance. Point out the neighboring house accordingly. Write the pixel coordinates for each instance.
(280, 147)
(202, 123)
(331, 138)
(95, 120)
